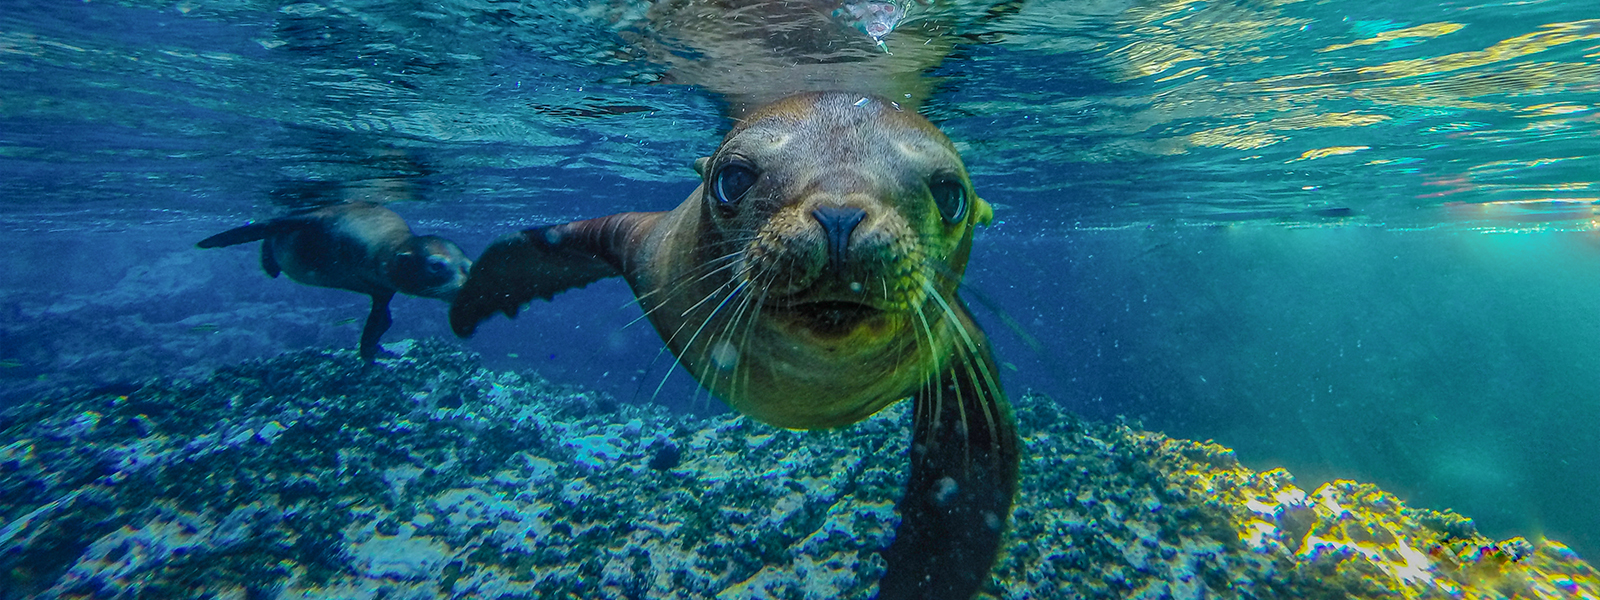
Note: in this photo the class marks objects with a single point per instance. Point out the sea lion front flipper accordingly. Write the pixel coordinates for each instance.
(963, 478)
(545, 261)
(269, 259)
(378, 321)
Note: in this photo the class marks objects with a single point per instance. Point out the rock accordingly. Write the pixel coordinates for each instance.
(426, 476)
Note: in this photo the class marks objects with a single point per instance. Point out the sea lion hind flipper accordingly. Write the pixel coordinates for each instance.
(254, 232)
(378, 322)
(542, 262)
(240, 235)
(963, 478)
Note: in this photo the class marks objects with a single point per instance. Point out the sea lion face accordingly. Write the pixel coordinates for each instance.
(850, 222)
(432, 267)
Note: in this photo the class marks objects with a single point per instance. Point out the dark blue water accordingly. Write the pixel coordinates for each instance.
(1352, 239)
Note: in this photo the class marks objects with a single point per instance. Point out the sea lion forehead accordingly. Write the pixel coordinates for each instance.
(834, 110)
(846, 123)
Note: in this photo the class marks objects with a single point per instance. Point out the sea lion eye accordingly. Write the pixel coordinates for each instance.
(438, 264)
(731, 183)
(951, 198)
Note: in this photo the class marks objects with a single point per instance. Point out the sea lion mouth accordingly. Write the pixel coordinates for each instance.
(830, 317)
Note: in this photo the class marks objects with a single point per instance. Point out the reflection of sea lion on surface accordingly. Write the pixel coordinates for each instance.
(358, 246)
(753, 52)
(810, 282)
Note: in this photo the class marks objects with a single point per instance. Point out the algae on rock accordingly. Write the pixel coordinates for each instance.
(426, 476)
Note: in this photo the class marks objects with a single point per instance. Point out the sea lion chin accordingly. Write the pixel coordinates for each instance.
(809, 282)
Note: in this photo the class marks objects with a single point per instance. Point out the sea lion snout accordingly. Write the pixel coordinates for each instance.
(837, 264)
(838, 222)
(433, 268)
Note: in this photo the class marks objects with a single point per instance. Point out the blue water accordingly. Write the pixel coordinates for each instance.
(1351, 239)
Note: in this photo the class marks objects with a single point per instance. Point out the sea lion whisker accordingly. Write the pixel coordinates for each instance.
(691, 277)
(675, 289)
(677, 357)
(990, 381)
(740, 321)
(938, 387)
(760, 304)
(685, 323)
(742, 282)
(689, 345)
(988, 302)
(1000, 313)
(883, 280)
(760, 280)
(700, 271)
(724, 337)
(963, 358)
(968, 358)
(971, 347)
(993, 388)
(960, 398)
(900, 356)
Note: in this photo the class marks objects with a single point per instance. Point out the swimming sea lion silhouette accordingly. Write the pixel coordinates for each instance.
(357, 246)
(809, 282)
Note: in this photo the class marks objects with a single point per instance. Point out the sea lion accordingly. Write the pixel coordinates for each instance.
(357, 246)
(809, 282)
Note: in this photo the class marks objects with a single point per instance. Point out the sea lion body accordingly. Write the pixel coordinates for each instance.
(357, 246)
(809, 282)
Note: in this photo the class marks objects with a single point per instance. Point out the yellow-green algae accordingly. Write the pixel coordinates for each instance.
(1366, 542)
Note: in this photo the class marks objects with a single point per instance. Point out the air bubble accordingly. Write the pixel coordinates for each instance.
(947, 489)
(724, 355)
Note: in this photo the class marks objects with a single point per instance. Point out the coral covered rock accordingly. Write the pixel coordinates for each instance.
(426, 476)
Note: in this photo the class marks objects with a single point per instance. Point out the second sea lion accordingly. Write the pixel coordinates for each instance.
(809, 282)
(357, 246)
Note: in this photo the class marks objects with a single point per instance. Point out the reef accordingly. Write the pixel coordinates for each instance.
(312, 475)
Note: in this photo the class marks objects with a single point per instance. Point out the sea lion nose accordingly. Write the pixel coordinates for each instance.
(837, 224)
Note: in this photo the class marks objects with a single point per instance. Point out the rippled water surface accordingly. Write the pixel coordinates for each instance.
(1075, 113)
(1350, 238)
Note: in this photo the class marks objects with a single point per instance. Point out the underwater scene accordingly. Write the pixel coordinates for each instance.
(738, 299)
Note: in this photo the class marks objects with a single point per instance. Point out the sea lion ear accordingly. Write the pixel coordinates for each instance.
(982, 213)
(700, 165)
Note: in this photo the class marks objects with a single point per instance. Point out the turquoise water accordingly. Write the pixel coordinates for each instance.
(1355, 240)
